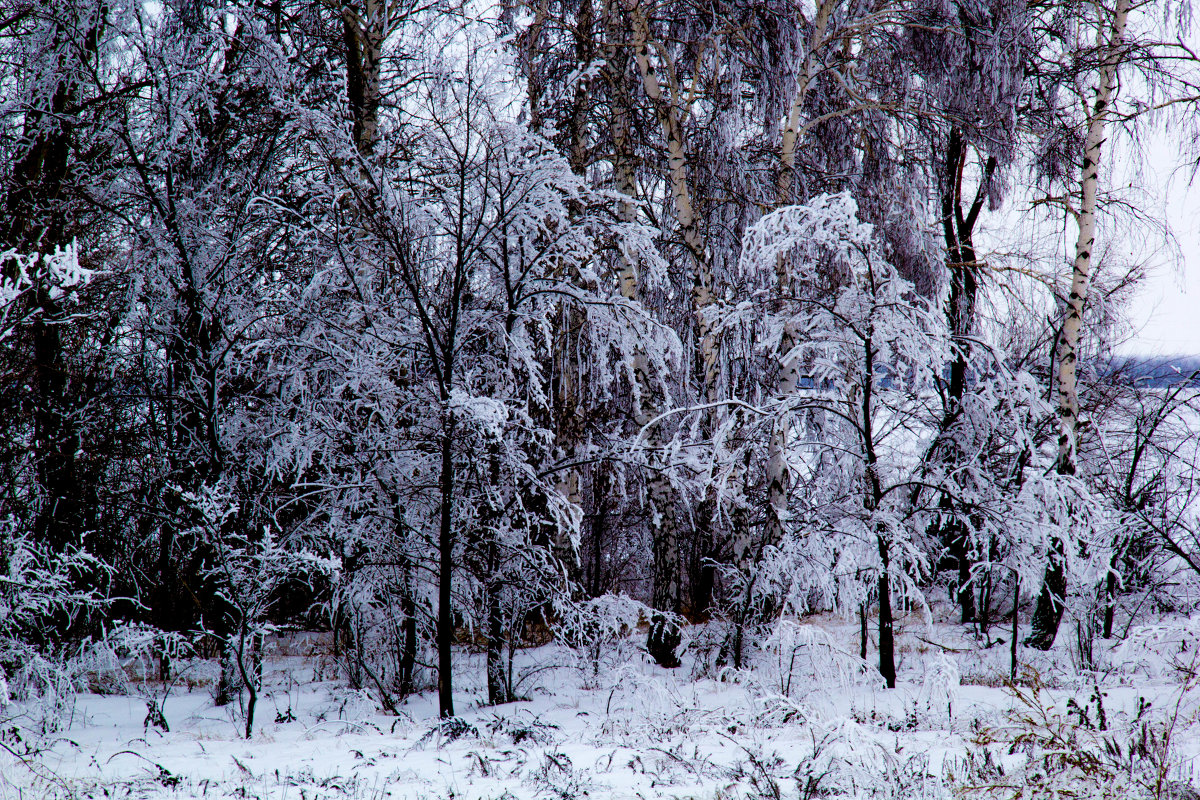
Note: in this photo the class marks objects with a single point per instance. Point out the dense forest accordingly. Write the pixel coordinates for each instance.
(443, 326)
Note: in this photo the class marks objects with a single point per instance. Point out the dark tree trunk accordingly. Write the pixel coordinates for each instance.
(597, 579)
(35, 221)
(961, 263)
(887, 641)
(445, 626)
(702, 580)
(663, 640)
(63, 518)
(704, 585)
(489, 522)
(1110, 598)
(1047, 615)
(862, 630)
(408, 633)
(956, 540)
(887, 644)
(498, 688)
(664, 635)
(362, 38)
(1012, 669)
(576, 122)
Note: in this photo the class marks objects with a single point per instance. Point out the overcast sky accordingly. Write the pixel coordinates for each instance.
(1166, 312)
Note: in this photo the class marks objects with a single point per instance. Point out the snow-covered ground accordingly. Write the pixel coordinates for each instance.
(808, 721)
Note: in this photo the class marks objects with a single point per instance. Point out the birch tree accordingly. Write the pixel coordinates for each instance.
(1110, 33)
(787, 370)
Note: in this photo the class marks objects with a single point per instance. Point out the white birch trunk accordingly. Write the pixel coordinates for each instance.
(667, 110)
(364, 33)
(1048, 613)
(1081, 272)
(787, 146)
(664, 532)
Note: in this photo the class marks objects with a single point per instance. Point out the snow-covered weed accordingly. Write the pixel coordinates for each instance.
(39, 591)
(1049, 747)
(39, 691)
(347, 705)
(836, 758)
(556, 777)
(938, 689)
(643, 708)
(523, 729)
(448, 730)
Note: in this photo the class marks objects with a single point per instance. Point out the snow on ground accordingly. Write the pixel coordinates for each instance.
(807, 721)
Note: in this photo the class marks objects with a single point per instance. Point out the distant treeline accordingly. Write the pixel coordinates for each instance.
(1156, 370)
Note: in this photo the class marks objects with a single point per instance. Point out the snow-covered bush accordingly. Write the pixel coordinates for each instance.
(39, 593)
(1168, 649)
(598, 630)
(246, 570)
(800, 655)
(863, 352)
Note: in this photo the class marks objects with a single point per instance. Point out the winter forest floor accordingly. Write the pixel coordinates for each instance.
(807, 721)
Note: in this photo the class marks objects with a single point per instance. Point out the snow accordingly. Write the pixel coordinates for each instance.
(810, 718)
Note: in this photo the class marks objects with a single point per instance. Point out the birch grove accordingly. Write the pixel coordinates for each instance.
(447, 330)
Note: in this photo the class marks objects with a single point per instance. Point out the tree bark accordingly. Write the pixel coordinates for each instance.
(1110, 598)
(363, 34)
(862, 630)
(872, 502)
(597, 578)
(35, 221)
(667, 110)
(1016, 627)
(534, 86)
(498, 688)
(569, 406)
(667, 594)
(406, 659)
(445, 622)
(585, 51)
(887, 633)
(408, 630)
(958, 230)
(490, 517)
(791, 128)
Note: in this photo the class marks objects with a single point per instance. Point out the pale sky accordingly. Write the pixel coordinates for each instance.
(1166, 313)
(1141, 193)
